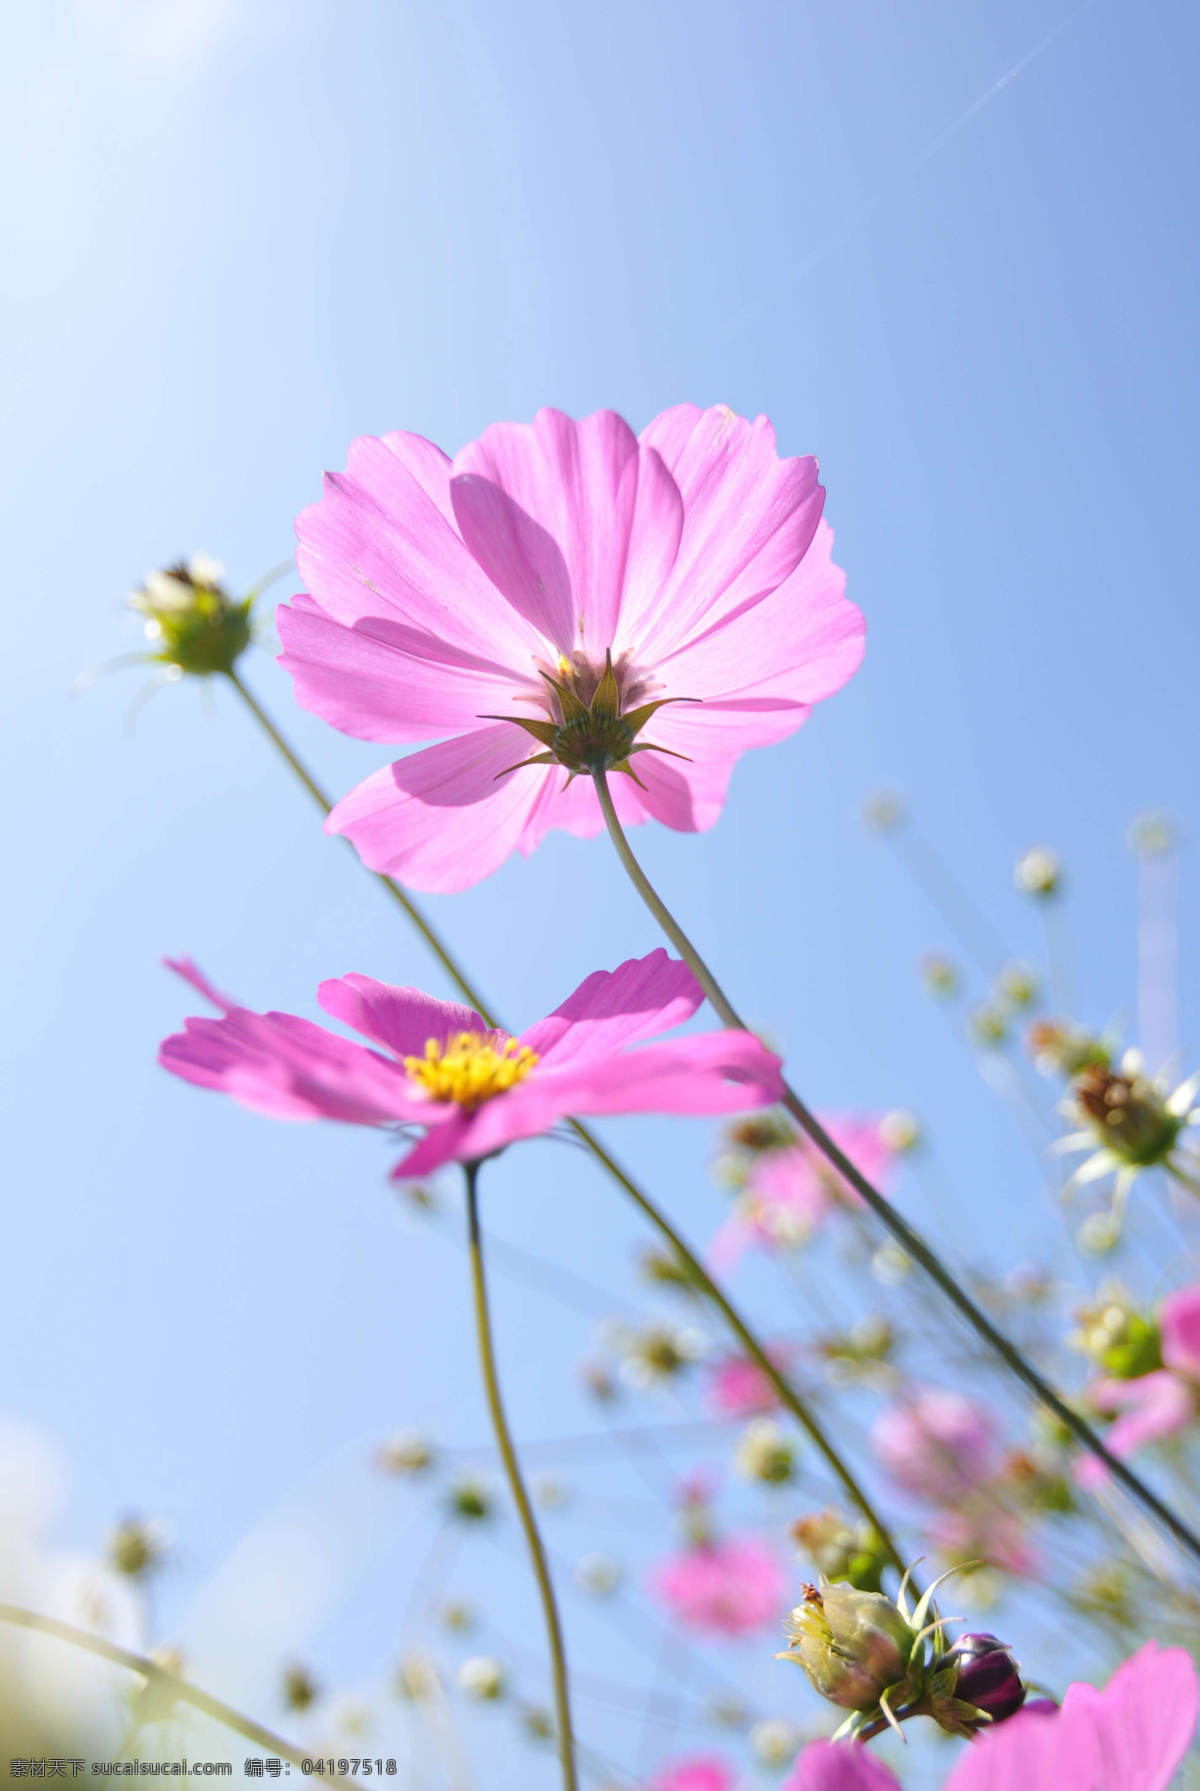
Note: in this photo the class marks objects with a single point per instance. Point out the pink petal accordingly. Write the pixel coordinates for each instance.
(799, 643)
(1144, 1719)
(402, 1020)
(839, 1766)
(568, 515)
(1154, 1405)
(708, 1072)
(382, 542)
(1179, 1319)
(382, 679)
(1033, 1751)
(439, 820)
(289, 1068)
(191, 973)
(610, 1008)
(748, 520)
(444, 1142)
(700, 1772)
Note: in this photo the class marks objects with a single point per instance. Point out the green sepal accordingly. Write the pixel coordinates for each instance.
(627, 770)
(606, 703)
(649, 746)
(636, 719)
(572, 708)
(544, 731)
(539, 758)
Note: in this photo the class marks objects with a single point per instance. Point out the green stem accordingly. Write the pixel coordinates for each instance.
(787, 1393)
(512, 1467)
(910, 1241)
(178, 1690)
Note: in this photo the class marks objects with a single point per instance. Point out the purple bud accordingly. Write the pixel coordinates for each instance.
(988, 1675)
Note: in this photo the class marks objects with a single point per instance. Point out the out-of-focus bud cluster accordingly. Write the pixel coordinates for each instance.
(137, 1547)
(1115, 1336)
(842, 1548)
(192, 622)
(654, 1353)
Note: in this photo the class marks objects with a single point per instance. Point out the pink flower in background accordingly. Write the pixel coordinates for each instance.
(790, 1190)
(939, 1445)
(702, 1772)
(738, 1388)
(982, 1530)
(839, 1766)
(1158, 1404)
(474, 602)
(1129, 1737)
(727, 1588)
(471, 1089)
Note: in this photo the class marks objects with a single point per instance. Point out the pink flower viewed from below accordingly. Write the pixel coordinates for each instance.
(470, 1089)
(1158, 1404)
(729, 1587)
(701, 1772)
(562, 597)
(738, 1388)
(839, 1766)
(790, 1189)
(1129, 1737)
(939, 1445)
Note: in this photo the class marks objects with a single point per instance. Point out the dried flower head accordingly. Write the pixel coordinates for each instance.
(1130, 1122)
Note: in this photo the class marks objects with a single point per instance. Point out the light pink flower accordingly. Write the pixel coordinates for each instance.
(981, 1530)
(701, 1772)
(728, 1587)
(839, 1766)
(738, 1388)
(443, 593)
(937, 1444)
(1129, 1737)
(1158, 1404)
(791, 1189)
(574, 1061)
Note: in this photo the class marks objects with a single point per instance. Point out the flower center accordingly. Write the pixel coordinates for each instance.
(469, 1068)
(589, 726)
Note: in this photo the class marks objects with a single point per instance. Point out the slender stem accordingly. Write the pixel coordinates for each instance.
(178, 1689)
(787, 1393)
(750, 1343)
(910, 1241)
(398, 894)
(512, 1467)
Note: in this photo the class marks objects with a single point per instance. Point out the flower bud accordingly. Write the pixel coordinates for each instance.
(939, 976)
(137, 1546)
(300, 1689)
(1017, 984)
(408, 1452)
(1038, 872)
(765, 1453)
(989, 1676)
(470, 1498)
(1126, 1113)
(987, 1025)
(191, 620)
(842, 1548)
(1151, 834)
(883, 812)
(852, 1645)
(774, 1741)
(900, 1131)
(1061, 1048)
(482, 1677)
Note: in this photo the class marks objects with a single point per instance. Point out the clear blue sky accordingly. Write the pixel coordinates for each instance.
(237, 235)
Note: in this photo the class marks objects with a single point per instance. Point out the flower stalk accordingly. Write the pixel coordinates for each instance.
(512, 1469)
(910, 1241)
(700, 1276)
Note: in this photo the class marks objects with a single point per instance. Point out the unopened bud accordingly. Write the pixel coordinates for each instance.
(987, 1025)
(900, 1131)
(482, 1677)
(599, 1574)
(774, 1741)
(765, 1453)
(883, 811)
(300, 1689)
(1017, 984)
(1152, 834)
(939, 976)
(408, 1452)
(663, 1268)
(1060, 1048)
(191, 620)
(852, 1645)
(1126, 1113)
(842, 1548)
(470, 1498)
(989, 1676)
(137, 1546)
(1038, 872)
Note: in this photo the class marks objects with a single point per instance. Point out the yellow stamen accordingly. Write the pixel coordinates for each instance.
(469, 1068)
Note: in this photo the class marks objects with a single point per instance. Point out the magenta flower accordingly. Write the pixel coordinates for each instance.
(738, 1388)
(701, 1772)
(470, 1089)
(725, 1588)
(791, 1189)
(479, 602)
(937, 1444)
(839, 1766)
(1154, 1405)
(1129, 1737)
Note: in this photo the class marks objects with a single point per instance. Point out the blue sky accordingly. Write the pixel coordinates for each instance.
(239, 235)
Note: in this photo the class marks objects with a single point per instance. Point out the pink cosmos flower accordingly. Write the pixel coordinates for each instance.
(473, 1090)
(937, 1444)
(702, 1772)
(727, 1588)
(738, 1388)
(791, 1189)
(1129, 1737)
(1153, 1405)
(476, 602)
(982, 1530)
